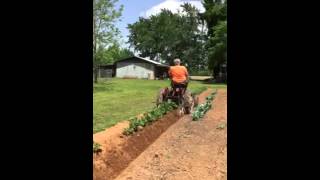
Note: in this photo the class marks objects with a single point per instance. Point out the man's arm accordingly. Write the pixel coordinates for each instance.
(169, 72)
(187, 74)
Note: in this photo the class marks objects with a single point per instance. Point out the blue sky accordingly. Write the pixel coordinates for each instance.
(135, 8)
(131, 12)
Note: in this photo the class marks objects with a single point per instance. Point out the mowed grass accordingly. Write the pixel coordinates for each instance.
(115, 100)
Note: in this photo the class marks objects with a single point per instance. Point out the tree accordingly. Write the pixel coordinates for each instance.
(215, 11)
(124, 53)
(114, 53)
(215, 16)
(166, 36)
(104, 30)
(218, 47)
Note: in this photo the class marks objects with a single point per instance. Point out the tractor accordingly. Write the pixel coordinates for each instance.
(178, 94)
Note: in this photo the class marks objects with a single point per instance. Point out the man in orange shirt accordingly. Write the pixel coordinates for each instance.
(178, 74)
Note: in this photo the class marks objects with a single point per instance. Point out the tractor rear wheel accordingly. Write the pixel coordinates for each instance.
(187, 110)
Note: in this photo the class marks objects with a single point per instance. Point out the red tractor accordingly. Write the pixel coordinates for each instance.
(181, 96)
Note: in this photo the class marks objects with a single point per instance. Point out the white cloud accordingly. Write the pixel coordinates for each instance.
(172, 5)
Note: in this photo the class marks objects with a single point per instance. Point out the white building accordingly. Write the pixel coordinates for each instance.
(141, 68)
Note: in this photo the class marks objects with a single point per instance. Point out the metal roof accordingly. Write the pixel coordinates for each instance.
(144, 59)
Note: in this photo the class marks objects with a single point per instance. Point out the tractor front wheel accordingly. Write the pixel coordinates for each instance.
(180, 111)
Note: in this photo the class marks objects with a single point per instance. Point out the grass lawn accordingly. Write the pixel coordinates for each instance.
(115, 100)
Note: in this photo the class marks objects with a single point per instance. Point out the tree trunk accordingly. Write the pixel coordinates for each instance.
(95, 75)
(216, 73)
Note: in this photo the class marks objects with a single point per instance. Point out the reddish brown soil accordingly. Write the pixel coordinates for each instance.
(186, 150)
(119, 150)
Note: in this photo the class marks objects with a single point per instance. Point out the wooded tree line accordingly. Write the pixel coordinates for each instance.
(198, 39)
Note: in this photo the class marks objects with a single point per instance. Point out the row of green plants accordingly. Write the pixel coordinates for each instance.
(149, 117)
(158, 112)
(201, 109)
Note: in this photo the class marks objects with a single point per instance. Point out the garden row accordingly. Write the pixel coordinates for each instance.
(149, 117)
(138, 123)
(201, 109)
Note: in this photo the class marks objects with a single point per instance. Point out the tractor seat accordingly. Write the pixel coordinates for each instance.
(176, 90)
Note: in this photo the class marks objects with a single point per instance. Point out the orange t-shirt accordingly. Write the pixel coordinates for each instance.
(178, 73)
